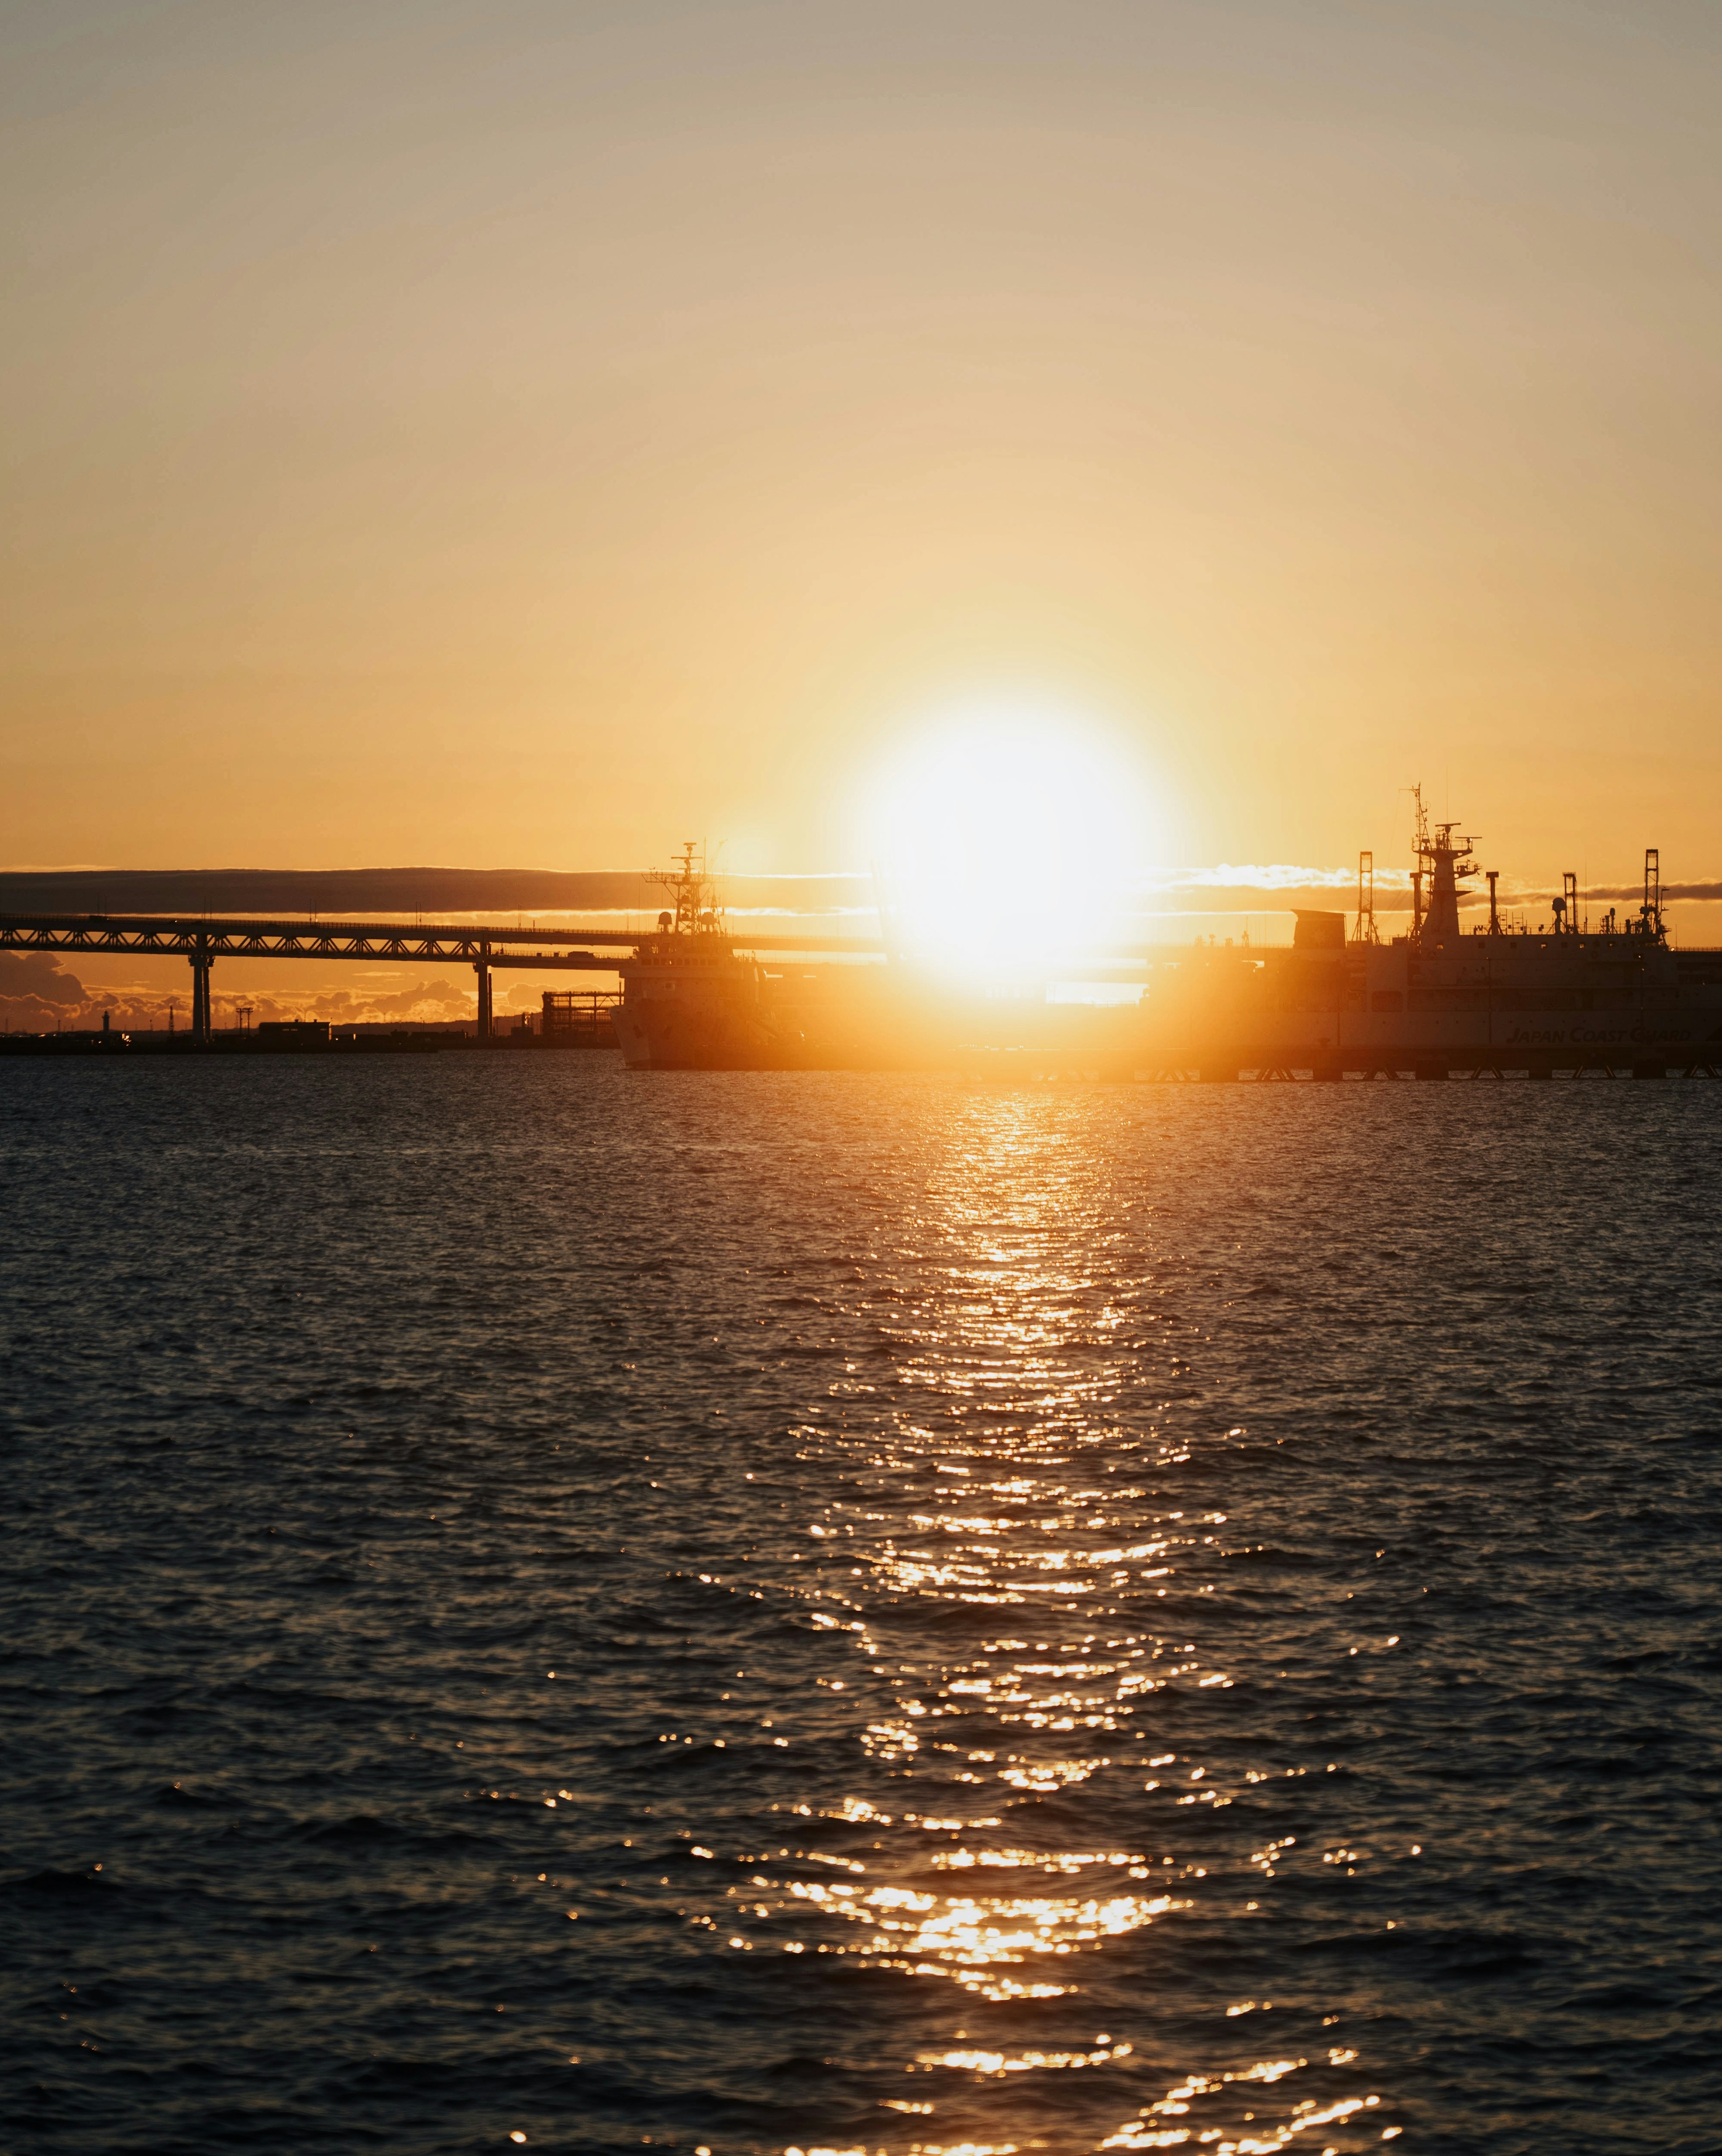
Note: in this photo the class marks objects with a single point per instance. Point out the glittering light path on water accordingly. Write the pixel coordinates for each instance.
(991, 1547)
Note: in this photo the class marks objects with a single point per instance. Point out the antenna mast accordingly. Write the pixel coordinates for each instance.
(1420, 841)
(1446, 860)
(698, 910)
(1366, 931)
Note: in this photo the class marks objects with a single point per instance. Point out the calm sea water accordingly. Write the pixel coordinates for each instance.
(773, 1613)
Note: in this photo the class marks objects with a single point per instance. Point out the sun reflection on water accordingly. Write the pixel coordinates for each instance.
(1004, 1462)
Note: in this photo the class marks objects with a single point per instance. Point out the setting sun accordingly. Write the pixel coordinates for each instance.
(1006, 840)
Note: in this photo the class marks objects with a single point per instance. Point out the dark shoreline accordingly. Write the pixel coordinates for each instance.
(415, 1042)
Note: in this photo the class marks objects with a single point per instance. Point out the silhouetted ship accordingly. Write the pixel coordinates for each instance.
(1565, 996)
(691, 1002)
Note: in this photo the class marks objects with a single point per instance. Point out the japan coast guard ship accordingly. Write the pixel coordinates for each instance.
(1562, 997)
(691, 1002)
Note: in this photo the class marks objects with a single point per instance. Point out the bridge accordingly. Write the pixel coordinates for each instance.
(485, 949)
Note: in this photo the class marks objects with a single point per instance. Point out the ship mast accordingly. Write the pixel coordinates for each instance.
(1445, 859)
(1651, 912)
(1420, 839)
(1366, 931)
(697, 913)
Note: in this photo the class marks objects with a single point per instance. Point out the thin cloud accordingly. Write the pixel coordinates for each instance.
(1269, 876)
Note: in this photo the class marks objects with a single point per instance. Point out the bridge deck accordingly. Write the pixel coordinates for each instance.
(441, 943)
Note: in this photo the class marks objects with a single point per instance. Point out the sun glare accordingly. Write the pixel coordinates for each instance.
(1005, 841)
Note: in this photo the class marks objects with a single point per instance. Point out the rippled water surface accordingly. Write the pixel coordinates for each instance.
(764, 1613)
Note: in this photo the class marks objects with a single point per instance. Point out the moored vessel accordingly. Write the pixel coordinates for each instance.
(689, 1000)
(1565, 995)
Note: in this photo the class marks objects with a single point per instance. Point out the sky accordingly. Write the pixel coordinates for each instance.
(523, 434)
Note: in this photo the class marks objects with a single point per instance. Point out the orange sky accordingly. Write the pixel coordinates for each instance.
(520, 434)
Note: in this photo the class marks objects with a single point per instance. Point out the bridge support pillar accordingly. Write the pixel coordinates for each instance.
(482, 969)
(201, 963)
